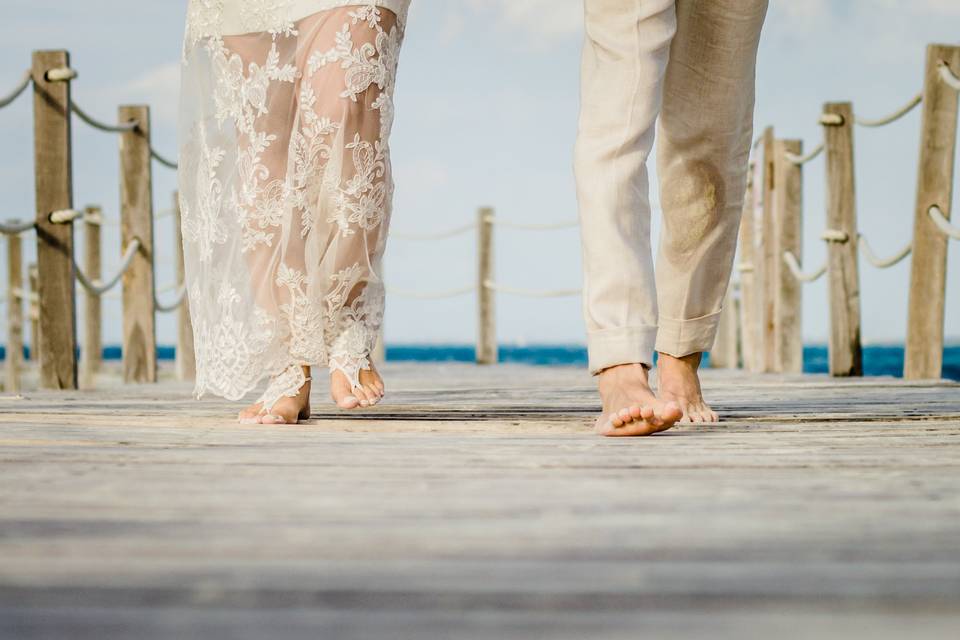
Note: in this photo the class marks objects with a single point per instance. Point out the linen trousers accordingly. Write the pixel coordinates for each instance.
(681, 72)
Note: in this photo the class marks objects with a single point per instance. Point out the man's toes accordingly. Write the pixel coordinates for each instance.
(672, 412)
(625, 416)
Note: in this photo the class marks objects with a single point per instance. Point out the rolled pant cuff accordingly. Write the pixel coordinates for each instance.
(680, 338)
(611, 347)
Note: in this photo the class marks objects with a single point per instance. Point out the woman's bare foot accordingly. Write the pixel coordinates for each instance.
(678, 381)
(629, 406)
(369, 393)
(286, 410)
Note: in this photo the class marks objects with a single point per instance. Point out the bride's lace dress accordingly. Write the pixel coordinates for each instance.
(285, 185)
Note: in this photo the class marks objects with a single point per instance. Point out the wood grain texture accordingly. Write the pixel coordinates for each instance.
(186, 354)
(843, 275)
(53, 173)
(33, 276)
(486, 306)
(725, 353)
(769, 261)
(15, 296)
(928, 270)
(91, 351)
(136, 221)
(477, 503)
(788, 212)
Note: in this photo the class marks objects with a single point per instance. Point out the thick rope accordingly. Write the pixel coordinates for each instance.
(947, 76)
(103, 126)
(896, 115)
(794, 266)
(834, 235)
(532, 293)
(17, 91)
(795, 159)
(431, 295)
(456, 231)
(173, 305)
(97, 287)
(942, 223)
(568, 224)
(883, 263)
(159, 158)
(14, 227)
(65, 216)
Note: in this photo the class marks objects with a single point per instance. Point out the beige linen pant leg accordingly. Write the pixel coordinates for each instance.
(696, 60)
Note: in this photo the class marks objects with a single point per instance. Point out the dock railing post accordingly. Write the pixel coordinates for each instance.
(486, 313)
(923, 356)
(746, 267)
(788, 197)
(845, 357)
(54, 192)
(186, 359)
(15, 296)
(725, 353)
(33, 306)
(136, 221)
(91, 350)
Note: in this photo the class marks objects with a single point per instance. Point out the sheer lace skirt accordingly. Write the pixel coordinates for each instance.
(285, 188)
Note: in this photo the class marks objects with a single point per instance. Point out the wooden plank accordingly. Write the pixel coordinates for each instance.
(486, 308)
(747, 268)
(846, 356)
(928, 270)
(788, 312)
(769, 260)
(15, 297)
(33, 275)
(136, 219)
(186, 362)
(54, 191)
(91, 351)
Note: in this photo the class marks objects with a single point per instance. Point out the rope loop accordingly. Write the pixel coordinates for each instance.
(98, 287)
(15, 227)
(60, 74)
(944, 225)
(835, 235)
(794, 265)
(947, 75)
(17, 90)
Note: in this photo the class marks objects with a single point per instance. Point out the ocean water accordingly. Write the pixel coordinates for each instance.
(878, 360)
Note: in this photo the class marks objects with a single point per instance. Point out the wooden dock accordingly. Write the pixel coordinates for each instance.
(478, 504)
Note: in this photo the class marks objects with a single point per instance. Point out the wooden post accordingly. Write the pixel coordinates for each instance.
(928, 269)
(186, 361)
(486, 313)
(846, 358)
(725, 353)
(33, 304)
(769, 259)
(788, 197)
(91, 350)
(749, 305)
(136, 218)
(15, 298)
(54, 192)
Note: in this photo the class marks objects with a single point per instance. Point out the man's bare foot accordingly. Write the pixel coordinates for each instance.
(286, 410)
(678, 381)
(369, 393)
(629, 406)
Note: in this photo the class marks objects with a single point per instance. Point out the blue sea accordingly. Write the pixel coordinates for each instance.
(878, 360)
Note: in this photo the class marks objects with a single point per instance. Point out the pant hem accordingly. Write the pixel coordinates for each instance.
(612, 347)
(679, 338)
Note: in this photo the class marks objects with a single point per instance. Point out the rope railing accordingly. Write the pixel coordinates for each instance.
(804, 159)
(99, 124)
(174, 304)
(947, 75)
(17, 90)
(893, 117)
(98, 287)
(432, 295)
(883, 263)
(440, 235)
(532, 293)
(942, 223)
(162, 160)
(14, 227)
(567, 224)
(794, 265)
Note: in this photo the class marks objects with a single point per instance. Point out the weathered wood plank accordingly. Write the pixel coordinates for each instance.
(136, 219)
(53, 172)
(923, 357)
(486, 308)
(845, 352)
(788, 211)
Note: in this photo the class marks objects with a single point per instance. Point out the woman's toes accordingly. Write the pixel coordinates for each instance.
(361, 396)
(270, 418)
(373, 394)
(348, 401)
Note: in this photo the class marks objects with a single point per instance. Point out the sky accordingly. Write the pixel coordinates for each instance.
(487, 104)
